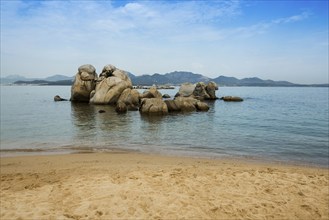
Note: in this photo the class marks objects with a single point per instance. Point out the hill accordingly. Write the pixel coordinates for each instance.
(172, 78)
(254, 81)
(21, 79)
(59, 78)
(12, 78)
(179, 77)
(45, 82)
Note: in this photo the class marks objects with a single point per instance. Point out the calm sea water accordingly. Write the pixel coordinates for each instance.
(274, 124)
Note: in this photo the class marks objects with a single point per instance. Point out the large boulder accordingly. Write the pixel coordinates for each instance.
(211, 90)
(200, 91)
(186, 104)
(108, 91)
(83, 83)
(110, 70)
(153, 106)
(173, 106)
(130, 97)
(151, 93)
(121, 107)
(186, 90)
(202, 106)
(112, 82)
(107, 71)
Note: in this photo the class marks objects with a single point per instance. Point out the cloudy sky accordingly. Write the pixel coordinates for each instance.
(279, 40)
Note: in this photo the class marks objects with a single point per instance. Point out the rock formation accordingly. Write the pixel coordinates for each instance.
(110, 85)
(151, 93)
(130, 97)
(202, 106)
(200, 91)
(211, 90)
(121, 107)
(186, 104)
(153, 106)
(186, 90)
(114, 87)
(83, 83)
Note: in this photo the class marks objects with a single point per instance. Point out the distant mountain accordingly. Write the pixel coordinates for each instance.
(44, 82)
(172, 78)
(11, 79)
(132, 76)
(59, 78)
(150, 80)
(224, 80)
(179, 77)
(17, 78)
(232, 81)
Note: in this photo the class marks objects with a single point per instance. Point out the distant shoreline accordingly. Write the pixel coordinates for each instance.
(175, 78)
(76, 149)
(142, 86)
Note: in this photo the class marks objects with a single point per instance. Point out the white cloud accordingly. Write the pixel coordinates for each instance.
(263, 27)
(291, 19)
(140, 36)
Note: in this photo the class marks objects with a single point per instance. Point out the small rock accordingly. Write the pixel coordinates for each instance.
(101, 111)
(232, 99)
(57, 98)
(166, 96)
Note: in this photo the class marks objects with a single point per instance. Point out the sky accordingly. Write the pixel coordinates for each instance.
(278, 40)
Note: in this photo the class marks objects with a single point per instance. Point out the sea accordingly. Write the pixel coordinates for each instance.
(272, 124)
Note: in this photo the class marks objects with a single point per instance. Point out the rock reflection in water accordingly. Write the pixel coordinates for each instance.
(102, 129)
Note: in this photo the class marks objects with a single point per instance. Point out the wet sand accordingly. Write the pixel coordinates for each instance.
(139, 186)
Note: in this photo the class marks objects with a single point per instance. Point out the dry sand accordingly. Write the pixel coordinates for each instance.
(137, 186)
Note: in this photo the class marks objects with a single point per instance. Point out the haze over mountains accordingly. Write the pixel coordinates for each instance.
(172, 78)
(15, 78)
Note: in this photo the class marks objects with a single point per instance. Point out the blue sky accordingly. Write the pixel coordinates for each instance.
(279, 40)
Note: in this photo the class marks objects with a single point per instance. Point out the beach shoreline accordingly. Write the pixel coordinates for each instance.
(130, 185)
(76, 149)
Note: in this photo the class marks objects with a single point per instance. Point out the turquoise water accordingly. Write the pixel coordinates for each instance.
(273, 124)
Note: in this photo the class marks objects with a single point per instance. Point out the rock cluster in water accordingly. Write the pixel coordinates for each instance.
(114, 87)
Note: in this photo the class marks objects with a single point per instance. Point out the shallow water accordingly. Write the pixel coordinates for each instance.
(273, 124)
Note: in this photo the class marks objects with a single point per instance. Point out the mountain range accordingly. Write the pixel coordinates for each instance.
(17, 78)
(172, 78)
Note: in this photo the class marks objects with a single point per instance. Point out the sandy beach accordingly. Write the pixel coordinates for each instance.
(138, 186)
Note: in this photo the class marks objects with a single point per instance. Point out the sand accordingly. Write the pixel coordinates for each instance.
(138, 186)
